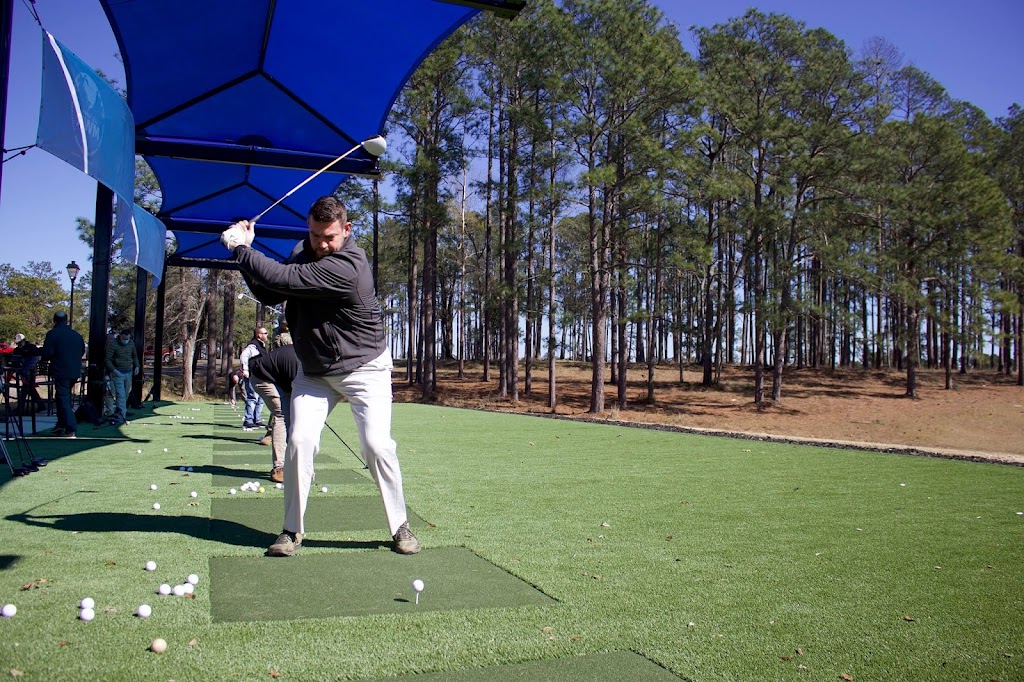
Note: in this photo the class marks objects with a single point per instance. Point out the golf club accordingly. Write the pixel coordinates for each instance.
(375, 146)
(346, 445)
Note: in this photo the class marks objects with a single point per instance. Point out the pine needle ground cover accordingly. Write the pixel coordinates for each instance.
(706, 558)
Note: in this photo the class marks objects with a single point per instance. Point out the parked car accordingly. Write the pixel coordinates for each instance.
(166, 356)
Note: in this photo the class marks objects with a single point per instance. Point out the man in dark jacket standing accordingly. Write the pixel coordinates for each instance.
(338, 334)
(64, 347)
(122, 363)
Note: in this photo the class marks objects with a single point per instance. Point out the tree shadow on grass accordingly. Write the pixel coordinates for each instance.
(227, 472)
(248, 440)
(217, 530)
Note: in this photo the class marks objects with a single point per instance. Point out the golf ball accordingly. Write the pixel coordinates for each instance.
(8, 610)
(138, 452)
(144, 611)
(190, 469)
(165, 449)
(150, 565)
(324, 489)
(156, 505)
(194, 494)
(87, 615)
(260, 489)
(417, 585)
(192, 579)
(178, 590)
(87, 603)
(189, 588)
(181, 468)
(158, 646)
(152, 486)
(279, 486)
(232, 491)
(164, 589)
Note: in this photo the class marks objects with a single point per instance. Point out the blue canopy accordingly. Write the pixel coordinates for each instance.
(235, 102)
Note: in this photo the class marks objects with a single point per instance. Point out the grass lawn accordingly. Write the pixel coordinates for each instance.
(712, 558)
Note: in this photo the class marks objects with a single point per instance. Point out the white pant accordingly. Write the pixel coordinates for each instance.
(368, 390)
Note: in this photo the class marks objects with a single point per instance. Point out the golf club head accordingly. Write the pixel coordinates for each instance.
(375, 145)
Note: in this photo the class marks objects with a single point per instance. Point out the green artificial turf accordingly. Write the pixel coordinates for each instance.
(256, 456)
(234, 476)
(360, 583)
(714, 558)
(325, 512)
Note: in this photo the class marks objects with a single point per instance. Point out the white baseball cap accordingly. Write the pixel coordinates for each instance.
(18, 338)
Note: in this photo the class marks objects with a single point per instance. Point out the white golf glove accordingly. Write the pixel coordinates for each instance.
(242, 232)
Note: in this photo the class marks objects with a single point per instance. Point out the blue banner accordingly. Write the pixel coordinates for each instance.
(143, 238)
(84, 121)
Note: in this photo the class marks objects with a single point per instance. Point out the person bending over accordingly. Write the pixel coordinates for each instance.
(272, 375)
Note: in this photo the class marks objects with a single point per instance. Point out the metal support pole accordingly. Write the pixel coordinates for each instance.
(158, 342)
(139, 334)
(100, 294)
(6, 30)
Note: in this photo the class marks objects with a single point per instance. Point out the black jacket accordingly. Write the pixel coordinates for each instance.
(332, 310)
(278, 366)
(65, 348)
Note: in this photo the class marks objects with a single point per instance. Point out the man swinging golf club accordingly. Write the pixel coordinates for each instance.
(338, 332)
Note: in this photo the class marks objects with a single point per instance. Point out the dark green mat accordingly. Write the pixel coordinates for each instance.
(247, 512)
(360, 583)
(610, 667)
(258, 456)
(237, 475)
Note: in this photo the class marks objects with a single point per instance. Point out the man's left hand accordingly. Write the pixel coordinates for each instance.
(241, 233)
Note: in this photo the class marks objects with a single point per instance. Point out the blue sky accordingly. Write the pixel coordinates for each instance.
(974, 49)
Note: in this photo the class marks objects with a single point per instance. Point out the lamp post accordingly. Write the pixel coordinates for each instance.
(73, 274)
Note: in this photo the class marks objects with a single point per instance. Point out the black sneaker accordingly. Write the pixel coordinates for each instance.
(247, 425)
(259, 425)
(68, 434)
(405, 541)
(286, 544)
(59, 431)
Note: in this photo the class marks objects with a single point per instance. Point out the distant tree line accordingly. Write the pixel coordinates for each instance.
(574, 185)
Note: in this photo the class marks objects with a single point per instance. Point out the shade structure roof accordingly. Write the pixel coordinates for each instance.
(236, 102)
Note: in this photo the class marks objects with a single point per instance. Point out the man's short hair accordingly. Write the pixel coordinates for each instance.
(327, 210)
(60, 315)
(126, 332)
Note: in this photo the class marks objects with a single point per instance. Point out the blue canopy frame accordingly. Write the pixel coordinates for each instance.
(236, 103)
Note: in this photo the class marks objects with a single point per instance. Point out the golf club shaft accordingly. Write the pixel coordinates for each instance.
(346, 445)
(301, 184)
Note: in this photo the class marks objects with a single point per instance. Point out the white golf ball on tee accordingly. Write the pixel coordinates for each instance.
(418, 585)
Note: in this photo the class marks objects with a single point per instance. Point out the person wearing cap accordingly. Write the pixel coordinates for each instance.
(121, 365)
(29, 354)
(64, 348)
